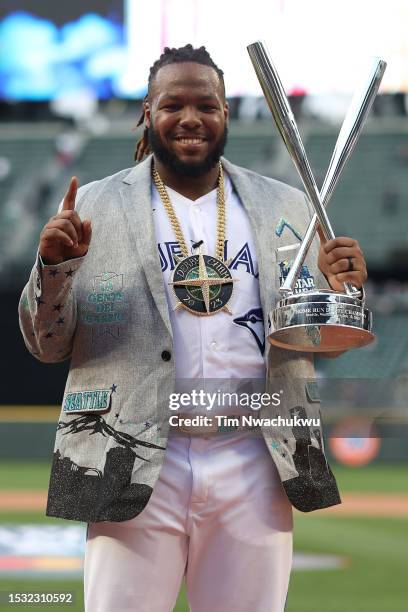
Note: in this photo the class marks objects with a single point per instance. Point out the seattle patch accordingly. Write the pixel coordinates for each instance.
(95, 401)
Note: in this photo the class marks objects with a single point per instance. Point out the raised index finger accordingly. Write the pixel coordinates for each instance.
(69, 198)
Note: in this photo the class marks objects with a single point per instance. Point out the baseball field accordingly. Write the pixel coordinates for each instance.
(352, 558)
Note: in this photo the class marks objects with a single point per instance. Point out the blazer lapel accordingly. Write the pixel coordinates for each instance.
(263, 232)
(136, 201)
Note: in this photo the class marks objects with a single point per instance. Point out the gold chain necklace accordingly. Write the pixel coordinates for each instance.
(164, 196)
(202, 284)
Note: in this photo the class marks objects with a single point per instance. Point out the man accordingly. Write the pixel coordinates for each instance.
(134, 310)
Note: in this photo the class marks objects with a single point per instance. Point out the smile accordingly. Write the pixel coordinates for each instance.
(190, 141)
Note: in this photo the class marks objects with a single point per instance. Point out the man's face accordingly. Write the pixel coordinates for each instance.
(187, 118)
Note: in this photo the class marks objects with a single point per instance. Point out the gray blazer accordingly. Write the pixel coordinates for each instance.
(108, 313)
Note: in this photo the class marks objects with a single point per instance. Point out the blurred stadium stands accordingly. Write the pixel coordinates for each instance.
(372, 196)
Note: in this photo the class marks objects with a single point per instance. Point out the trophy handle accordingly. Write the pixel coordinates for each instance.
(351, 129)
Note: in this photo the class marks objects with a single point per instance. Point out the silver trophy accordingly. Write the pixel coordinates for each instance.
(322, 320)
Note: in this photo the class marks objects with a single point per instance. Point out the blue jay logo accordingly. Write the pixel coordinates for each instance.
(305, 282)
(253, 322)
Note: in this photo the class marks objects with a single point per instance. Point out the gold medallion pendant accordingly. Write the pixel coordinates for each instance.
(203, 285)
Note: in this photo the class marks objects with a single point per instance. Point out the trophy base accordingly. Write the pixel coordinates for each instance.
(319, 322)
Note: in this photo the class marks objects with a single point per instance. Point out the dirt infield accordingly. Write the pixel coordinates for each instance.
(371, 504)
(354, 504)
(22, 501)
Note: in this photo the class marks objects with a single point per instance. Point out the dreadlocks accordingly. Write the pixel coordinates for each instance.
(173, 56)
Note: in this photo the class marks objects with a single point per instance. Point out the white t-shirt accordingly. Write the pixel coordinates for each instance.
(221, 345)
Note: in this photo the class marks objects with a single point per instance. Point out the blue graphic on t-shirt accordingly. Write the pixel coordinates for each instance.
(243, 257)
(253, 322)
(167, 251)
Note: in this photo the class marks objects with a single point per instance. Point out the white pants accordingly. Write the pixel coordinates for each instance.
(218, 516)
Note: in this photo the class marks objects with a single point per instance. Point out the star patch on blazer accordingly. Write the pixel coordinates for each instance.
(305, 282)
(203, 285)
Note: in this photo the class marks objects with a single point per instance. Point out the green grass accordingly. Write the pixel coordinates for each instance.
(375, 578)
(31, 517)
(376, 549)
(386, 478)
(16, 475)
(376, 478)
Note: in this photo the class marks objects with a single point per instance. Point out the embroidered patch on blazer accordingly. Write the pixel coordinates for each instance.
(107, 282)
(305, 281)
(104, 330)
(281, 226)
(312, 391)
(94, 401)
(104, 309)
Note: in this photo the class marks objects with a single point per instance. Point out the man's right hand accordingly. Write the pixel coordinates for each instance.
(65, 236)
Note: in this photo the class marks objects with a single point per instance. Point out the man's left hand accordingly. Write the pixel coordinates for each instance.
(341, 260)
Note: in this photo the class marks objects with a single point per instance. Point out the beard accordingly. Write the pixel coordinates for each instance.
(182, 168)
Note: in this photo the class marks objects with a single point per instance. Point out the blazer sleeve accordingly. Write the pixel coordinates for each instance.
(48, 311)
(47, 308)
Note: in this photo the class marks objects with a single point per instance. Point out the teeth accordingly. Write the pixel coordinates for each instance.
(191, 140)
